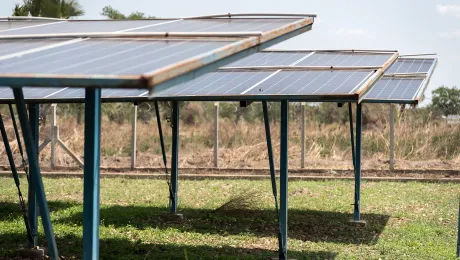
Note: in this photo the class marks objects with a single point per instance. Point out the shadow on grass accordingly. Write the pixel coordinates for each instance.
(305, 225)
(13, 210)
(70, 247)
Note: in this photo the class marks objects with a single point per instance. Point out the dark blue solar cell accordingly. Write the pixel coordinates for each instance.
(9, 47)
(270, 59)
(72, 94)
(345, 59)
(217, 83)
(123, 93)
(220, 25)
(75, 26)
(270, 83)
(312, 83)
(15, 25)
(395, 89)
(406, 65)
(119, 57)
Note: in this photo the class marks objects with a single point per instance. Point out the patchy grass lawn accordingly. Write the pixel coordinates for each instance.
(405, 220)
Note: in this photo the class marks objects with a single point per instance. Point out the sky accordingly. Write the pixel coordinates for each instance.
(410, 26)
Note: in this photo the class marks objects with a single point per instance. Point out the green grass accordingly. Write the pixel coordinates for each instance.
(405, 220)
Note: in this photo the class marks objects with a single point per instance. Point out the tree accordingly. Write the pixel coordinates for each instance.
(111, 13)
(49, 8)
(447, 100)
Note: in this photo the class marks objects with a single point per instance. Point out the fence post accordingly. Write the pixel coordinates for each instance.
(134, 137)
(216, 134)
(53, 135)
(302, 139)
(392, 137)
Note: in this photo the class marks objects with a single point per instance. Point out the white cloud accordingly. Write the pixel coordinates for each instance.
(451, 35)
(352, 32)
(449, 10)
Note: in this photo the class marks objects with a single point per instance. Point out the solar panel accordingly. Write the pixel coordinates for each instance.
(407, 65)
(160, 25)
(7, 25)
(14, 46)
(310, 58)
(392, 89)
(58, 95)
(84, 27)
(220, 25)
(270, 59)
(311, 83)
(105, 56)
(142, 61)
(345, 59)
(218, 83)
(269, 83)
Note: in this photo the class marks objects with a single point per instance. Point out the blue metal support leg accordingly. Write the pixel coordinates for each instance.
(32, 199)
(35, 177)
(16, 180)
(91, 189)
(272, 169)
(359, 111)
(283, 215)
(160, 133)
(175, 155)
(352, 136)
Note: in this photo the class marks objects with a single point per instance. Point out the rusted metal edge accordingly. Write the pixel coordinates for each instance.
(406, 75)
(73, 80)
(265, 15)
(377, 75)
(31, 18)
(416, 55)
(262, 97)
(326, 51)
(302, 68)
(161, 75)
(161, 35)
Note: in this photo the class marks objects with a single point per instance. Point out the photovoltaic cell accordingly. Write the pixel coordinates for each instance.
(9, 25)
(14, 46)
(220, 25)
(406, 65)
(107, 57)
(270, 83)
(345, 59)
(64, 94)
(395, 89)
(85, 27)
(311, 83)
(217, 83)
(163, 25)
(270, 59)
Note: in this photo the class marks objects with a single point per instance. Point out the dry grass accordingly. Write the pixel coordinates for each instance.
(243, 145)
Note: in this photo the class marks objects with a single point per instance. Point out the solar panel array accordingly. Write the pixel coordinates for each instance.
(265, 83)
(160, 25)
(403, 82)
(257, 76)
(132, 57)
(104, 56)
(310, 58)
(59, 53)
